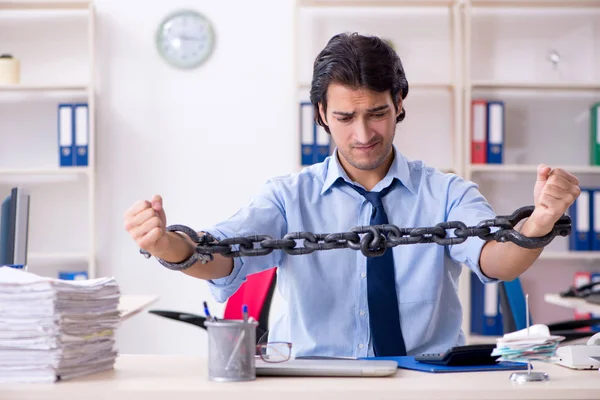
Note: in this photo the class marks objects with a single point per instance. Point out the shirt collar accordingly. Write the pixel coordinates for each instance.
(398, 170)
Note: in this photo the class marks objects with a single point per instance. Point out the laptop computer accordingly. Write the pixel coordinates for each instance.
(327, 367)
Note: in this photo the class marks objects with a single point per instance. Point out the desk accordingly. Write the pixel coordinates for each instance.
(152, 377)
(572, 302)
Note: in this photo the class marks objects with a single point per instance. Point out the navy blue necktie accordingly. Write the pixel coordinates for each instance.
(384, 316)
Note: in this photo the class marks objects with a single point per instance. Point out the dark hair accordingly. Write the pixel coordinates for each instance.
(357, 61)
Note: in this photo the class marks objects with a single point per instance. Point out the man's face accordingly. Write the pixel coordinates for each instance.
(362, 124)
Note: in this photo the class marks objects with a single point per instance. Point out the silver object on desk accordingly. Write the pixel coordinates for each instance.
(231, 350)
(529, 376)
(535, 376)
(327, 367)
(581, 356)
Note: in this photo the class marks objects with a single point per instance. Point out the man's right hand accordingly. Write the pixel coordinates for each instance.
(146, 222)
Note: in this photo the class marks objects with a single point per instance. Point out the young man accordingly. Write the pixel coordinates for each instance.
(339, 302)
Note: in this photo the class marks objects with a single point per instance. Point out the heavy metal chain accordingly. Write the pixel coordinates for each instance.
(374, 240)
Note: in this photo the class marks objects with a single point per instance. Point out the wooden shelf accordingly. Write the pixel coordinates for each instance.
(573, 86)
(43, 5)
(411, 85)
(46, 171)
(43, 88)
(375, 3)
(571, 302)
(448, 3)
(534, 3)
(531, 168)
(570, 255)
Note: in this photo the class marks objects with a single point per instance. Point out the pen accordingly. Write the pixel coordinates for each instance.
(238, 343)
(207, 313)
(245, 313)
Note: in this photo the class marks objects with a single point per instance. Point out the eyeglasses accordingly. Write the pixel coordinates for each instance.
(274, 352)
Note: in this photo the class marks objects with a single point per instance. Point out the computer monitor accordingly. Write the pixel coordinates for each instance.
(14, 227)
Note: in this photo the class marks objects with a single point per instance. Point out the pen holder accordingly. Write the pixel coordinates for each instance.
(231, 350)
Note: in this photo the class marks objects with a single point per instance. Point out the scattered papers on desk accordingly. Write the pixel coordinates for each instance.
(54, 329)
(524, 346)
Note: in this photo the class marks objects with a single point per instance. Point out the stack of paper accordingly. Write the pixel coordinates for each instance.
(52, 329)
(531, 344)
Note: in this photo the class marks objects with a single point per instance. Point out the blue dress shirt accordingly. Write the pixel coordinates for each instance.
(325, 308)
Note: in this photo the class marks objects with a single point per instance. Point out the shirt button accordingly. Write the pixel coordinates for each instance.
(362, 313)
(361, 346)
(363, 275)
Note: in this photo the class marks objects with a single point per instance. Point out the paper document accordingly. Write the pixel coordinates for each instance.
(53, 329)
(529, 344)
(131, 305)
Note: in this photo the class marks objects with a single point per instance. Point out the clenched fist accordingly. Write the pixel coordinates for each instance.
(146, 223)
(553, 193)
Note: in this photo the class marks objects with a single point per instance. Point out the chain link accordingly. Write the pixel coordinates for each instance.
(374, 240)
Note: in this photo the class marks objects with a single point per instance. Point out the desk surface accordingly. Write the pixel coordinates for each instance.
(151, 377)
(572, 302)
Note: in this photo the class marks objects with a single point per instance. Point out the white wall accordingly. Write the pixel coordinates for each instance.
(205, 139)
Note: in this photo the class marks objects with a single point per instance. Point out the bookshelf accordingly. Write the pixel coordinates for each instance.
(54, 43)
(547, 92)
(455, 51)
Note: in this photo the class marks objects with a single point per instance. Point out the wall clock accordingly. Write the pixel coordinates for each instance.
(185, 39)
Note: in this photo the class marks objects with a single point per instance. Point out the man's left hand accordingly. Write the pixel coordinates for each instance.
(554, 192)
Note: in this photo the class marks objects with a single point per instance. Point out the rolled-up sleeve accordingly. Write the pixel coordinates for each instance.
(264, 215)
(468, 205)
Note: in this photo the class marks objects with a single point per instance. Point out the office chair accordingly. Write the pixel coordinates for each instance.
(512, 301)
(256, 293)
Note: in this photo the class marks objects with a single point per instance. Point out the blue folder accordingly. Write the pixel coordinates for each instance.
(495, 132)
(486, 319)
(408, 362)
(582, 237)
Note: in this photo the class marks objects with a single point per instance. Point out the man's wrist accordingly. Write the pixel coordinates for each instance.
(176, 243)
(167, 248)
(531, 229)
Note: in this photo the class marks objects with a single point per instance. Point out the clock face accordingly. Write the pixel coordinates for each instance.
(185, 39)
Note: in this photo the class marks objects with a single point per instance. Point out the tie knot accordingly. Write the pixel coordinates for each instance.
(373, 197)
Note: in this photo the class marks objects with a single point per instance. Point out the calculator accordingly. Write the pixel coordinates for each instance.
(477, 354)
